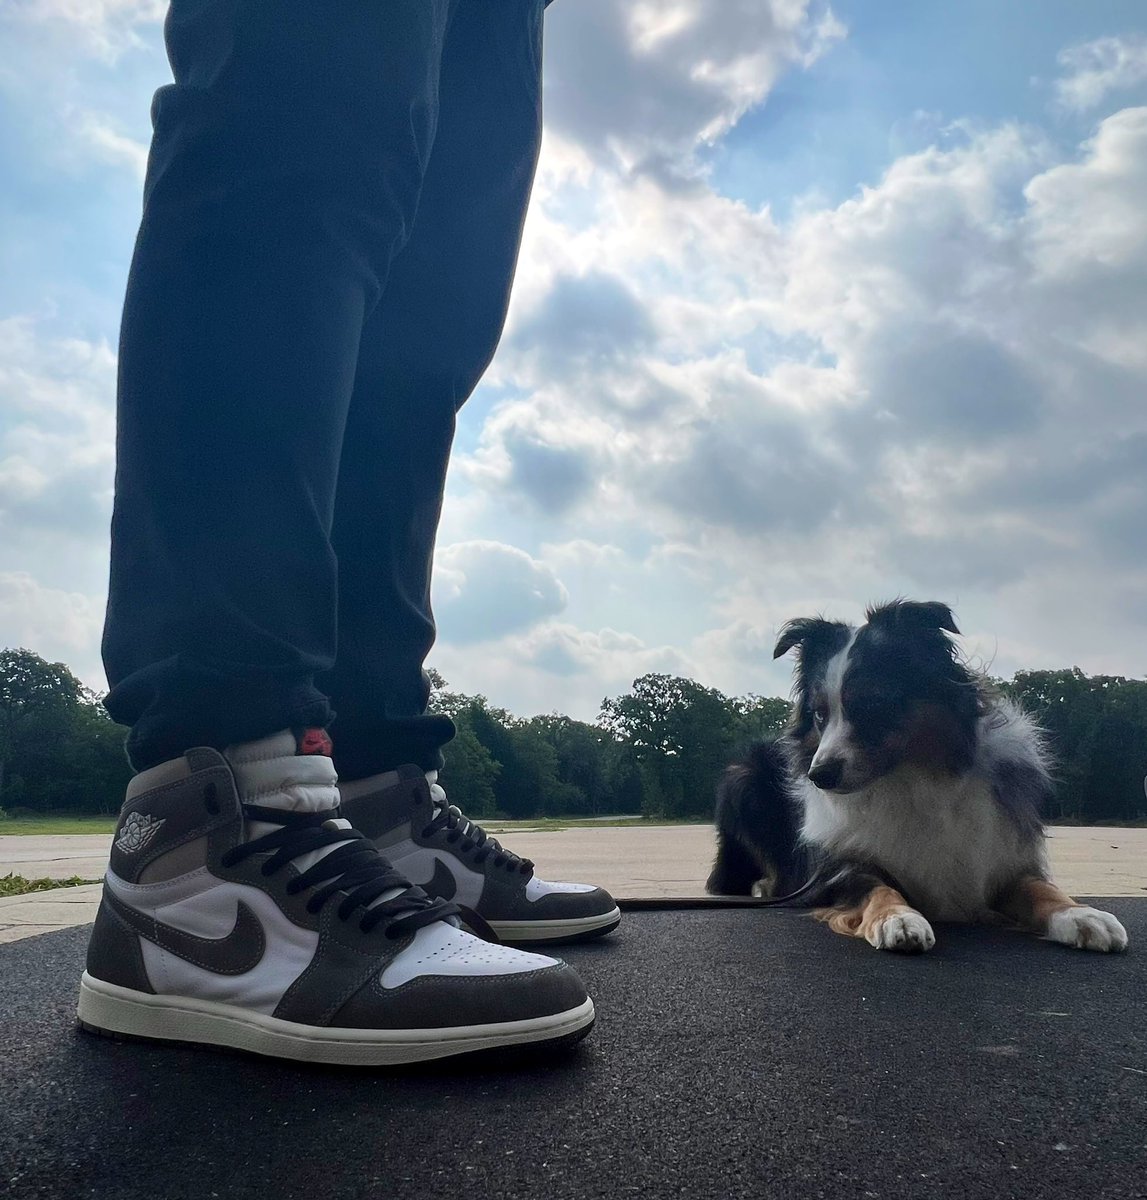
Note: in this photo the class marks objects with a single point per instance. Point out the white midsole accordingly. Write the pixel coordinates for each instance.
(186, 1019)
(541, 931)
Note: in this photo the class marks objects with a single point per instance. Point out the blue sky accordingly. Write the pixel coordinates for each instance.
(904, 71)
(859, 294)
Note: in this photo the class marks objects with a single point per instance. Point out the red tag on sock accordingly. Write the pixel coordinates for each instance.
(314, 741)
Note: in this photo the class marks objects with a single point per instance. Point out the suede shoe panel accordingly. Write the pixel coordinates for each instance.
(344, 961)
(378, 813)
(439, 1001)
(114, 952)
(157, 821)
(504, 899)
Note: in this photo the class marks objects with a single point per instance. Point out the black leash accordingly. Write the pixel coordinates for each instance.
(472, 921)
(646, 903)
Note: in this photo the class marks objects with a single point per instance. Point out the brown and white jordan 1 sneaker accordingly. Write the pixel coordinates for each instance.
(240, 909)
(406, 815)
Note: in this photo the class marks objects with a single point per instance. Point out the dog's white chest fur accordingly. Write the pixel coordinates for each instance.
(946, 841)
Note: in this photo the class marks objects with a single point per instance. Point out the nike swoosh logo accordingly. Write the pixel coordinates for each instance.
(236, 953)
(442, 884)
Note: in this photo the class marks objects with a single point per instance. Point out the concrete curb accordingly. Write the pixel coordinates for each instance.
(46, 912)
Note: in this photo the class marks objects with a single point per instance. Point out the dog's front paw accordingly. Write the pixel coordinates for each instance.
(907, 932)
(1087, 929)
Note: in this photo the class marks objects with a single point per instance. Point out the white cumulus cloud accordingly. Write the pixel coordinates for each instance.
(103, 28)
(1095, 69)
(933, 388)
(484, 590)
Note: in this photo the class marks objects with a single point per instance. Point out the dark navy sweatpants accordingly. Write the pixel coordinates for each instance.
(332, 214)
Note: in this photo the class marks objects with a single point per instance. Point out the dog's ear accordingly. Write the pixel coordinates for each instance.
(806, 632)
(913, 614)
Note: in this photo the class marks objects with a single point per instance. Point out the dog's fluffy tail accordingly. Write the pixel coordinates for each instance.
(758, 827)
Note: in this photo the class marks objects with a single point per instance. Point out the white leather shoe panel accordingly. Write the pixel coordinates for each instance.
(440, 949)
(207, 907)
(537, 888)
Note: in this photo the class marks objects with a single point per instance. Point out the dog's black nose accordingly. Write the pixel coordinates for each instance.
(828, 773)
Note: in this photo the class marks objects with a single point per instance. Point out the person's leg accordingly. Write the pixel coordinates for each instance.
(239, 908)
(423, 351)
(284, 175)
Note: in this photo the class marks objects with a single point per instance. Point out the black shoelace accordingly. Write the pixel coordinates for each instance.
(475, 841)
(355, 869)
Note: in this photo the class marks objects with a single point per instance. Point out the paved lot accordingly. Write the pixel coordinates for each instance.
(742, 1054)
(655, 860)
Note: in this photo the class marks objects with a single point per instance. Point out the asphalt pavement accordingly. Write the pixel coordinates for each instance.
(737, 1054)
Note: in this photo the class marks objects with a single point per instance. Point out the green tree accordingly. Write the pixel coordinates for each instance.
(471, 774)
(521, 767)
(38, 702)
(660, 748)
(683, 735)
(1097, 731)
(760, 717)
(584, 757)
(59, 750)
(471, 770)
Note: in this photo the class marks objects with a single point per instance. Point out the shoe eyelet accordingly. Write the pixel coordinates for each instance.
(211, 799)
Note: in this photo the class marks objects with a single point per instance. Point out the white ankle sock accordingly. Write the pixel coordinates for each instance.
(271, 773)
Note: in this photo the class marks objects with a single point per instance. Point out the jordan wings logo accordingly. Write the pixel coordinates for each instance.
(442, 885)
(238, 952)
(137, 831)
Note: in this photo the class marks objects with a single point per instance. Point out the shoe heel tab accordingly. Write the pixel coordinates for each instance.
(413, 782)
(203, 758)
(179, 807)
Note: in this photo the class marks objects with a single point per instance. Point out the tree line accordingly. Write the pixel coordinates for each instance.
(655, 751)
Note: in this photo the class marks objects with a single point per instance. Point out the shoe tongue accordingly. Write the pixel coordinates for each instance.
(290, 772)
(273, 773)
(293, 772)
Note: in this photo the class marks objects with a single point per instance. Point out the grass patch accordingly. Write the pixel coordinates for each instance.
(52, 824)
(17, 885)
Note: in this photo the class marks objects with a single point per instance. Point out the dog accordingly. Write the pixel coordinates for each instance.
(903, 791)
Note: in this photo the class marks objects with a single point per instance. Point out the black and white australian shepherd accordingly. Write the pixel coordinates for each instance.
(903, 790)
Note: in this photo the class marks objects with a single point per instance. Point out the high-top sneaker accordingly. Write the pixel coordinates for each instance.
(239, 909)
(407, 816)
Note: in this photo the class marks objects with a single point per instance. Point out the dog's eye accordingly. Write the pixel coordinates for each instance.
(820, 716)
